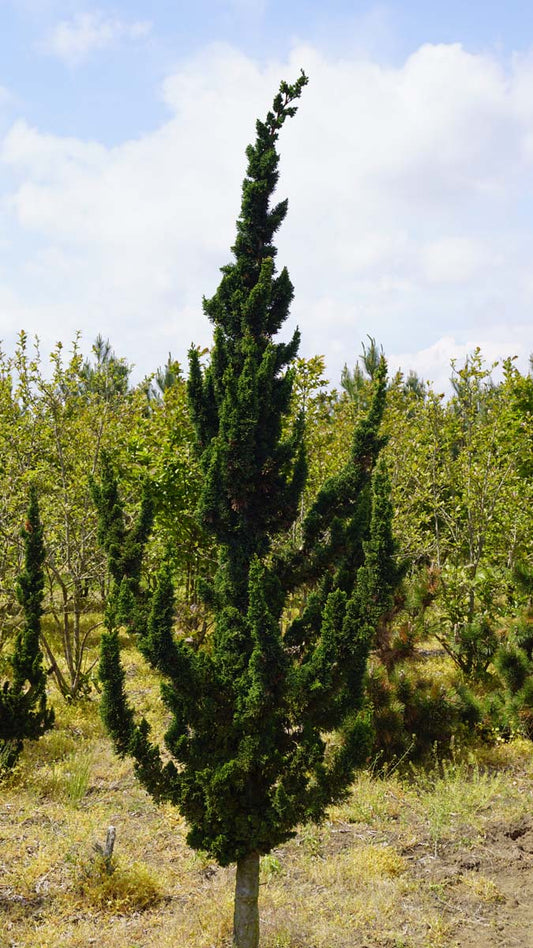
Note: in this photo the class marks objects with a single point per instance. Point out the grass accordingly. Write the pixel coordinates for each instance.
(453, 797)
(367, 875)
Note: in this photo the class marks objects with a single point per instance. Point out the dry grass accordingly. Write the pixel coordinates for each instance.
(358, 879)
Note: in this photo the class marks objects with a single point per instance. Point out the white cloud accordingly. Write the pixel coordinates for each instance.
(455, 259)
(433, 364)
(46, 158)
(74, 40)
(408, 193)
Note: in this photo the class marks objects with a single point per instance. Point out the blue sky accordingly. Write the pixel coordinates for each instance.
(409, 171)
(112, 93)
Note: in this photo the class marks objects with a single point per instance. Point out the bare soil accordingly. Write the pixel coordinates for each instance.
(505, 858)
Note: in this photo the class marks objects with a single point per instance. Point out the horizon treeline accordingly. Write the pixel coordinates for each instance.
(461, 476)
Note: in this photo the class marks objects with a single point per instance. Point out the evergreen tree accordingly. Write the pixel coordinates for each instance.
(165, 378)
(124, 545)
(513, 709)
(23, 708)
(250, 711)
(356, 382)
(107, 375)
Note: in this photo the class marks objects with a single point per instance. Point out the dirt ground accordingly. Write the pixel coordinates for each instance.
(483, 891)
(435, 857)
(498, 914)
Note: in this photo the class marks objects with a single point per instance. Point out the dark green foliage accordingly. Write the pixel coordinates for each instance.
(118, 718)
(413, 712)
(252, 478)
(475, 646)
(513, 666)
(513, 711)
(124, 546)
(523, 633)
(523, 629)
(525, 707)
(252, 708)
(23, 709)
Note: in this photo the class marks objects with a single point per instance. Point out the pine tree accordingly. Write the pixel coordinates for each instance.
(250, 711)
(107, 375)
(356, 382)
(23, 707)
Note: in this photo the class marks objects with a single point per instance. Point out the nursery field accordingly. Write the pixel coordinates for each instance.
(440, 855)
(328, 584)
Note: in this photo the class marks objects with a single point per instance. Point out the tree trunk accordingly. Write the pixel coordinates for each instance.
(246, 914)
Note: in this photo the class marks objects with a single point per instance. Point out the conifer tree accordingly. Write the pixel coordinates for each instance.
(23, 707)
(250, 711)
(124, 545)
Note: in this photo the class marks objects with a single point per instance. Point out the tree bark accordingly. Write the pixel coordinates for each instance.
(246, 914)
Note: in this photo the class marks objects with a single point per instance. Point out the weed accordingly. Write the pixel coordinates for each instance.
(361, 865)
(270, 868)
(56, 745)
(373, 799)
(310, 838)
(285, 940)
(485, 889)
(66, 780)
(439, 934)
(116, 888)
(452, 794)
(77, 778)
